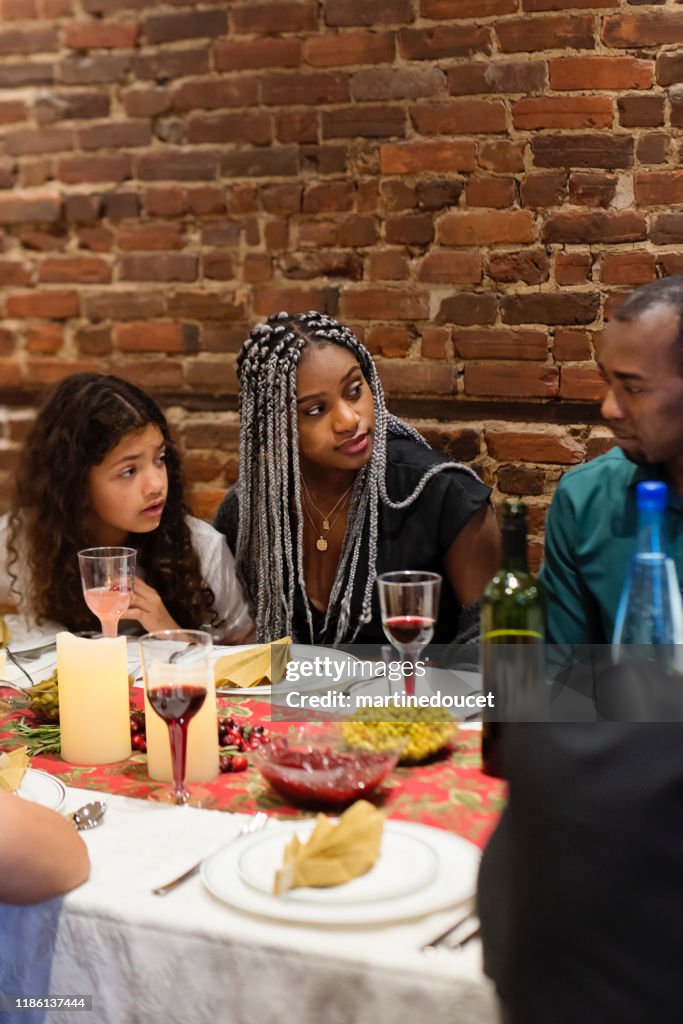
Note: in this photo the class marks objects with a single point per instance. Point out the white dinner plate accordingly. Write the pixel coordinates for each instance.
(406, 864)
(454, 882)
(340, 669)
(41, 788)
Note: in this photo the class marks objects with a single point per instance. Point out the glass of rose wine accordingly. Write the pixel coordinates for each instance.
(108, 580)
(176, 665)
(409, 603)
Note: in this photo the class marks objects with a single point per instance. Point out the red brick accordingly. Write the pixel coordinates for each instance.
(31, 174)
(166, 201)
(388, 265)
(651, 28)
(641, 111)
(480, 116)
(276, 235)
(595, 226)
(483, 228)
(581, 383)
(158, 267)
(554, 308)
(314, 88)
(142, 336)
(375, 303)
(499, 343)
(218, 266)
(440, 267)
(447, 10)
(444, 41)
(306, 266)
(256, 129)
(39, 239)
(599, 445)
(7, 341)
(81, 269)
(206, 199)
(165, 28)
(10, 373)
(243, 198)
(529, 34)
(55, 305)
(95, 239)
(532, 266)
(563, 112)
(100, 35)
(146, 101)
(400, 377)
(543, 189)
(85, 70)
(422, 157)
(667, 229)
(669, 68)
(598, 73)
(571, 346)
(150, 236)
(115, 304)
(573, 267)
(205, 305)
(18, 10)
(114, 134)
(502, 157)
(559, 5)
(93, 340)
(45, 339)
(257, 268)
(251, 54)
(592, 189)
(496, 193)
(468, 309)
(47, 371)
(608, 151)
(212, 93)
(534, 446)
(507, 77)
(409, 229)
(42, 39)
(296, 125)
(152, 374)
(351, 48)
(367, 195)
(287, 198)
(670, 263)
(177, 165)
(499, 380)
(365, 121)
(60, 105)
(435, 342)
(659, 188)
(329, 195)
(632, 268)
(359, 12)
(12, 110)
(389, 340)
(297, 300)
(47, 140)
(288, 17)
(15, 272)
(171, 64)
(520, 480)
(77, 170)
(396, 83)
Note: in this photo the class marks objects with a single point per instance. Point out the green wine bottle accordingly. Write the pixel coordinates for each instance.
(512, 635)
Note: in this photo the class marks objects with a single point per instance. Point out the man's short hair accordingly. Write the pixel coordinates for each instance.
(667, 291)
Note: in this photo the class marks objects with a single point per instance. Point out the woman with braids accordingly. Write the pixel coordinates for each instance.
(99, 468)
(334, 490)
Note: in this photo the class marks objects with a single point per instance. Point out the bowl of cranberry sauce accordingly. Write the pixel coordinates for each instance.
(317, 768)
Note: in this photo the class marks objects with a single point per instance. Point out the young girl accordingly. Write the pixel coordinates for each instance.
(99, 468)
(334, 490)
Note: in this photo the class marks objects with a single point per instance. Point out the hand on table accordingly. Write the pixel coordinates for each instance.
(147, 608)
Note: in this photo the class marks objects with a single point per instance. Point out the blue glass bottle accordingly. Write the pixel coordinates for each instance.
(649, 621)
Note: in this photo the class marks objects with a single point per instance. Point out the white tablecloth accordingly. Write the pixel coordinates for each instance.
(188, 957)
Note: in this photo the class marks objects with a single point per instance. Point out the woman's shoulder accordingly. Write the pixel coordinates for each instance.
(204, 535)
(408, 461)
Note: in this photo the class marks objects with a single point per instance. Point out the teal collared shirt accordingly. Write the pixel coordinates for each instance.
(590, 538)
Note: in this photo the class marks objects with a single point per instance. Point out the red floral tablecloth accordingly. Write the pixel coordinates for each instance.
(450, 792)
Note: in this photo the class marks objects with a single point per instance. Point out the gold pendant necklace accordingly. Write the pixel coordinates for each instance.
(327, 521)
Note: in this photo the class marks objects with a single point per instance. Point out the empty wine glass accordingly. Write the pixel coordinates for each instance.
(409, 603)
(108, 580)
(177, 669)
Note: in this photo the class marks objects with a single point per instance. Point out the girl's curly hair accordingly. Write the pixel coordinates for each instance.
(86, 416)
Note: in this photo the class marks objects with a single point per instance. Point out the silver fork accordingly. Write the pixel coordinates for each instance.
(255, 824)
(440, 940)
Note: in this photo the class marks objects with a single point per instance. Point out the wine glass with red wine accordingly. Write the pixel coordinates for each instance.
(108, 581)
(176, 666)
(409, 602)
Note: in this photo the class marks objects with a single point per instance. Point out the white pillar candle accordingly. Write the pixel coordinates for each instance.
(202, 730)
(94, 714)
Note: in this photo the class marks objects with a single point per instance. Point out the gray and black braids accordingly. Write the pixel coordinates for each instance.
(269, 559)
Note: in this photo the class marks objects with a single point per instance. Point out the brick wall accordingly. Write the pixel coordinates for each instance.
(470, 184)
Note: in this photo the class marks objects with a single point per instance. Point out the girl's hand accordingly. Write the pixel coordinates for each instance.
(148, 609)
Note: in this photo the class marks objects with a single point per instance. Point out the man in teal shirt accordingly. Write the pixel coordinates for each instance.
(592, 523)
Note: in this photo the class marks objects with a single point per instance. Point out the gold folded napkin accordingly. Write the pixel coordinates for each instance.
(13, 765)
(5, 635)
(333, 853)
(264, 664)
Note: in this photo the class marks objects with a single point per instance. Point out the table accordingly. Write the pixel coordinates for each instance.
(189, 958)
